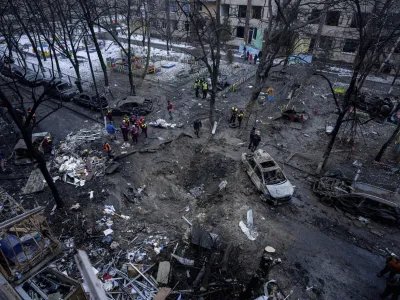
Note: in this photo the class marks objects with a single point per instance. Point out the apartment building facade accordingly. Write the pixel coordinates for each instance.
(331, 36)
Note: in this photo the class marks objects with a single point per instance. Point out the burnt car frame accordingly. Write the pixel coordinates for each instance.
(90, 100)
(132, 104)
(268, 177)
(358, 198)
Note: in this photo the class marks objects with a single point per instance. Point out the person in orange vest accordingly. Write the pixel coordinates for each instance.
(140, 123)
(392, 266)
(33, 116)
(124, 129)
(109, 115)
(108, 149)
(170, 108)
(144, 127)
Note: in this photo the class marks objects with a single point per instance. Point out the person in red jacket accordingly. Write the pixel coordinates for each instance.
(124, 130)
(134, 133)
(170, 108)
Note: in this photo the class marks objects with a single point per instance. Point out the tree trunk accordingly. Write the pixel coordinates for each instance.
(57, 63)
(49, 180)
(100, 55)
(168, 29)
(334, 134)
(388, 143)
(247, 22)
(146, 67)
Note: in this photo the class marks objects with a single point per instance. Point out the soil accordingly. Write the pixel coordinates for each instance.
(326, 253)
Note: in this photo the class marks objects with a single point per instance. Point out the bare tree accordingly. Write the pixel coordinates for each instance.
(206, 27)
(131, 14)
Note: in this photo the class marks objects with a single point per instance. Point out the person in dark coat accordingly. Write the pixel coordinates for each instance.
(240, 117)
(197, 125)
(256, 140)
(259, 54)
(134, 133)
(252, 132)
(392, 288)
(255, 58)
(247, 55)
(124, 130)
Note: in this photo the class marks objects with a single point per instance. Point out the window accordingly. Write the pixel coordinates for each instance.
(225, 10)
(174, 24)
(242, 11)
(356, 20)
(332, 18)
(312, 45)
(256, 12)
(325, 43)
(350, 46)
(163, 24)
(315, 16)
(240, 32)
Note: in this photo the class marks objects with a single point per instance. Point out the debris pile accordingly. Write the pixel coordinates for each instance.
(76, 168)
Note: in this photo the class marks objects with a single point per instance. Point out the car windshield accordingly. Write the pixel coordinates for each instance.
(274, 177)
(63, 86)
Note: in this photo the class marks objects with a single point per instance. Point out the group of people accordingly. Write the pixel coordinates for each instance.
(392, 267)
(236, 113)
(134, 120)
(249, 56)
(201, 84)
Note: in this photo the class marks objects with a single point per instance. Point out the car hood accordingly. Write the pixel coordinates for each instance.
(280, 190)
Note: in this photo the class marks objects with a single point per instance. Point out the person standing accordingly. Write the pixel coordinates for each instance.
(240, 117)
(135, 134)
(247, 55)
(252, 132)
(233, 115)
(205, 89)
(107, 147)
(170, 108)
(197, 87)
(33, 116)
(197, 125)
(109, 115)
(111, 129)
(124, 130)
(47, 144)
(250, 58)
(392, 288)
(256, 140)
(144, 128)
(255, 58)
(3, 169)
(392, 266)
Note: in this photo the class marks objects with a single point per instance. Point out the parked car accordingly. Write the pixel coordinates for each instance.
(90, 100)
(268, 177)
(60, 89)
(9, 70)
(131, 104)
(28, 77)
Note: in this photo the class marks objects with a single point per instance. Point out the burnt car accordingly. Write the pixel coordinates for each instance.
(90, 100)
(133, 104)
(9, 70)
(358, 198)
(60, 89)
(268, 177)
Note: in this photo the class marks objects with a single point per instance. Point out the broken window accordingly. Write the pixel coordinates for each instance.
(258, 172)
(252, 163)
(315, 16)
(240, 32)
(268, 164)
(256, 12)
(242, 11)
(174, 24)
(325, 43)
(274, 177)
(332, 18)
(350, 46)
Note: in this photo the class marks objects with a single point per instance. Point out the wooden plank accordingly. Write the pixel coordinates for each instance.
(162, 293)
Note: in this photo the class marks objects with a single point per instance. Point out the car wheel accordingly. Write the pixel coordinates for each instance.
(327, 201)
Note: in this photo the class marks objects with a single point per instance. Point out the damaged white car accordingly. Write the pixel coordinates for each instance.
(268, 177)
